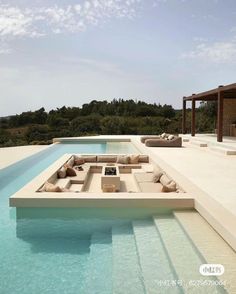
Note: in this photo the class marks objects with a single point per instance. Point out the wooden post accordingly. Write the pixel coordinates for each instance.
(220, 108)
(184, 117)
(193, 126)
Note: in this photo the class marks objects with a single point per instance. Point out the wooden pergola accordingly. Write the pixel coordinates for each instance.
(218, 94)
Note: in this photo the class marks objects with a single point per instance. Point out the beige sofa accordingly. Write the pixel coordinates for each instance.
(146, 184)
(90, 162)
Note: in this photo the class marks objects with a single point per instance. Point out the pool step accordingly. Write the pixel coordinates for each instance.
(155, 266)
(223, 150)
(198, 143)
(184, 256)
(127, 276)
(213, 248)
(99, 272)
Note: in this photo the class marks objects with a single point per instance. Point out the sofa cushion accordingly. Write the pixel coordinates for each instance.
(70, 172)
(150, 187)
(163, 135)
(123, 159)
(89, 158)
(134, 159)
(71, 161)
(171, 187)
(49, 187)
(79, 160)
(143, 158)
(143, 177)
(61, 173)
(164, 180)
(106, 158)
(80, 177)
(157, 175)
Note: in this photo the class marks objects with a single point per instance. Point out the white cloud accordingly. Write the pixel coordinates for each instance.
(219, 52)
(37, 21)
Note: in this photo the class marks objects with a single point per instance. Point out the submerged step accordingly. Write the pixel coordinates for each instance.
(127, 276)
(213, 248)
(99, 269)
(155, 265)
(184, 255)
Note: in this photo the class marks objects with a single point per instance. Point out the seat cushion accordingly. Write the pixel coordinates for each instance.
(164, 180)
(150, 187)
(143, 177)
(144, 158)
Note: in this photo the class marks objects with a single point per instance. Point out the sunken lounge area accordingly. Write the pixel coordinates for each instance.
(75, 179)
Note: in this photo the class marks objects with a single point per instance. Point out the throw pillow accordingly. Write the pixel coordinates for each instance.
(70, 172)
(49, 187)
(61, 173)
(169, 188)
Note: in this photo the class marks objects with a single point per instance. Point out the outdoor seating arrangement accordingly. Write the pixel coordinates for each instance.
(164, 140)
(78, 172)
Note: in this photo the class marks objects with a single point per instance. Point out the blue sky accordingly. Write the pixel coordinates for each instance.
(57, 52)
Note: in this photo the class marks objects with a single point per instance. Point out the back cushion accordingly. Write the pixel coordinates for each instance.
(164, 180)
(90, 158)
(143, 158)
(123, 159)
(108, 158)
(61, 173)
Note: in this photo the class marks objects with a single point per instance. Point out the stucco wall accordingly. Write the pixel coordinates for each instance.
(229, 115)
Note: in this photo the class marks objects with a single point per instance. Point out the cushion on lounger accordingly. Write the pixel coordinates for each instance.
(108, 158)
(171, 187)
(164, 180)
(143, 158)
(123, 159)
(61, 173)
(170, 137)
(134, 159)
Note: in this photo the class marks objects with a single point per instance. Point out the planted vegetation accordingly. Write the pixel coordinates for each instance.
(118, 117)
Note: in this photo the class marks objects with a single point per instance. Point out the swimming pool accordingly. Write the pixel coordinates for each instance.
(88, 251)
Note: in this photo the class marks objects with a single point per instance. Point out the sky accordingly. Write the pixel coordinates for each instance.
(69, 52)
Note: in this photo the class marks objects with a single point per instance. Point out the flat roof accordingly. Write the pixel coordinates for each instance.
(228, 90)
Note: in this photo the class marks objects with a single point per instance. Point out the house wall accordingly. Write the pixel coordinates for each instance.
(229, 115)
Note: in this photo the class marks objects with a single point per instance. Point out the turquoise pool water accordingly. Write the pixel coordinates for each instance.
(59, 251)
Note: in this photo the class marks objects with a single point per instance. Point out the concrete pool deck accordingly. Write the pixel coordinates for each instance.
(10, 155)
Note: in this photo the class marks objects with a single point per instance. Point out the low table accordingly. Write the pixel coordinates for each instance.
(110, 176)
